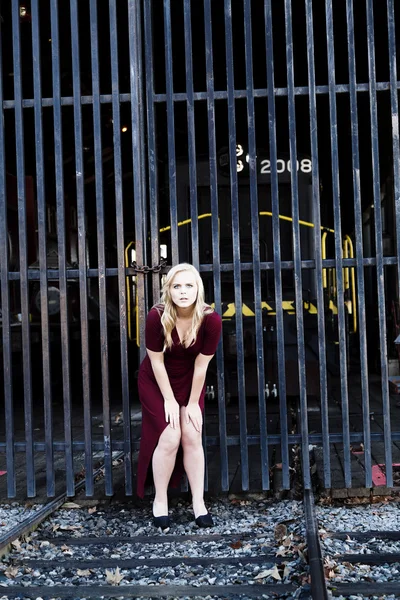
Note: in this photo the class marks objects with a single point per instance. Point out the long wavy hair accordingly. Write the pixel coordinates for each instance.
(169, 314)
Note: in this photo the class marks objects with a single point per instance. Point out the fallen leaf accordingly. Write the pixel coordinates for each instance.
(269, 573)
(11, 572)
(236, 545)
(16, 544)
(280, 531)
(92, 510)
(71, 505)
(84, 572)
(55, 527)
(114, 577)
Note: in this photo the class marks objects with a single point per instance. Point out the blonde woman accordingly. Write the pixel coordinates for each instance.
(182, 335)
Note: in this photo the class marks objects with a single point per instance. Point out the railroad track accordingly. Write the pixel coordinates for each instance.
(126, 557)
(367, 556)
(263, 561)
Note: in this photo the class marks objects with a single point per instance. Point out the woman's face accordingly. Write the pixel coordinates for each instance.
(183, 289)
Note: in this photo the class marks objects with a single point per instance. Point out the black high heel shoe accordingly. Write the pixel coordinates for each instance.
(204, 521)
(162, 523)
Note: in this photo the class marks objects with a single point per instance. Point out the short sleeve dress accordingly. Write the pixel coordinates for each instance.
(179, 364)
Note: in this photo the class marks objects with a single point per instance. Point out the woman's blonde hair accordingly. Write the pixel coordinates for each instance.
(169, 315)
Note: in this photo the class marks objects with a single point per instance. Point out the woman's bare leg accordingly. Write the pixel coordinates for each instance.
(163, 463)
(193, 461)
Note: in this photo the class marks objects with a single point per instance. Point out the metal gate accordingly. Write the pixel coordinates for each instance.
(256, 139)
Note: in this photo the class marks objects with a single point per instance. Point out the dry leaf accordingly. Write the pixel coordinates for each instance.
(280, 531)
(55, 527)
(236, 545)
(92, 510)
(269, 573)
(70, 527)
(11, 572)
(16, 544)
(71, 505)
(114, 577)
(84, 572)
(65, 548)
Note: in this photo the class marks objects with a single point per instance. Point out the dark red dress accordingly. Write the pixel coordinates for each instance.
(179, 364)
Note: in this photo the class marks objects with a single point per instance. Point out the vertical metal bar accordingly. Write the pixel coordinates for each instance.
(151, 147)
(23, 251)
(296, 247)
(317, 245)
(255, 238)
(338, 243)
(120, 248)
(276, 244)
(142, 120)
(359, 243)
(59, 173)
(395, 124)
(191, 135)
(136, 82)
(98, 165)
(215, 238)
(380, 275)
(42, 234)
(237, 275)
(169, 74)
(5, 304)
(194, 230)
(82, 248)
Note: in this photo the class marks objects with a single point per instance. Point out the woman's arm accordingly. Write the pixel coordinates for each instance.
(171, 407)
(193, 412)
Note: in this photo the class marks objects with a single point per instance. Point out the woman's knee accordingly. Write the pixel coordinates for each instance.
(170, 439)
(190, 437)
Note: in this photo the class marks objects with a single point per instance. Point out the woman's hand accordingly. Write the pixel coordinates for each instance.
(172, 410)
(193, 414)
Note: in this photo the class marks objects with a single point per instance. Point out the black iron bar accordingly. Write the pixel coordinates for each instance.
(380, 274)
(219, 95)
(338, 242)
(33, 275)
(362, 324)
(394, 100)
(42, 242)
(23, 252)
(152, 157)
(5, 306)
(241, 385)
(82, 248)
(191, 135)
(169, 76)
(136, 84)
(323, 376)
(297, 271)
(216, 264)
(255, 235)
(61, 238)
(119, 216)
(277, 264)
(101, 257)
(231, 440)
